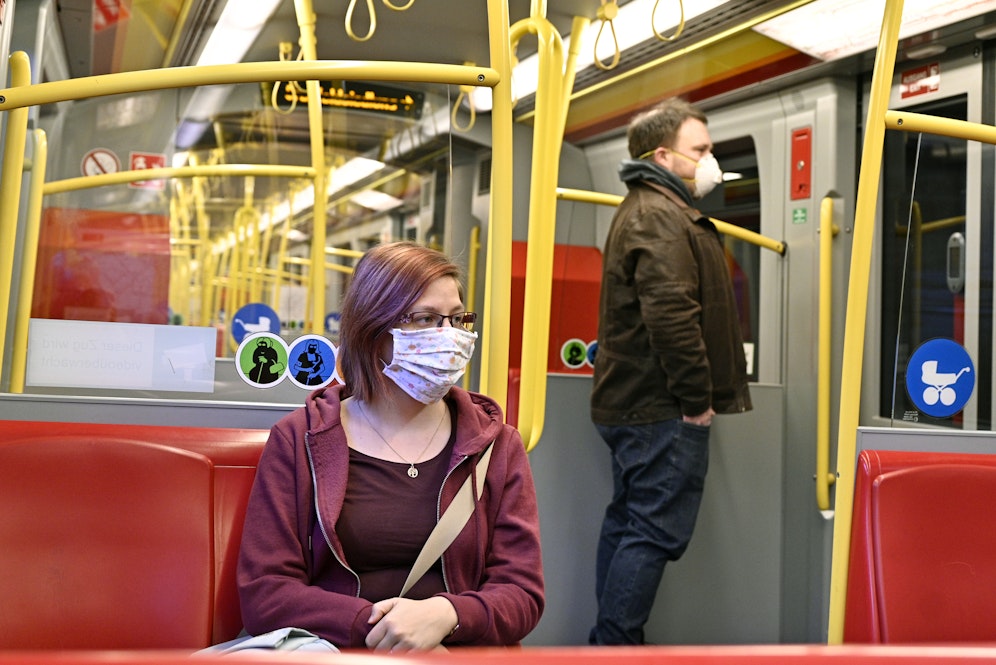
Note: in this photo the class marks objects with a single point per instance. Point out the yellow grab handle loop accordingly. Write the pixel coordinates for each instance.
(465, 91)
(349, 21)
(607, 12)
(399, 9)
(293, 89)
(677, 31)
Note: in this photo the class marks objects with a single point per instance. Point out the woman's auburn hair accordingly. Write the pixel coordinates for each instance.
(386, 282)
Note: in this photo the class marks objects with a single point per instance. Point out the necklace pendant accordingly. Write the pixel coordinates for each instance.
(412, 472)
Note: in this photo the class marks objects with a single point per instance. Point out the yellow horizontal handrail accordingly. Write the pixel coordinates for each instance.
(244, 72)
(340, 268)
(338, 251)
(936, 225)
(959, 129)
(298, 261)
(585, 196)
(732, 230)
(139, 175)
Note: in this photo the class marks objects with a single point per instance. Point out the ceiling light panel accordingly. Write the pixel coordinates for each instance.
(834, 29)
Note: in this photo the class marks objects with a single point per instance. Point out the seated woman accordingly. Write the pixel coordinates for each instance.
(350, 485)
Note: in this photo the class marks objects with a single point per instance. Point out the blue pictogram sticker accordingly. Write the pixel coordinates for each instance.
(254, 318)
(311, 362)
(940, 377)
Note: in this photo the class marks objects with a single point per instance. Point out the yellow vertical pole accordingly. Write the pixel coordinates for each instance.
(18, 360)
(180, 290)
(262, 263)
(309, 49)
(475, 248)
(282, 247)
(578, 27)
(229, 274)
(823, 476)
(857, 310)
(205, 254)
(547, 142)
(225, 287)
(251, 247)
(10, 188)
(236, 275)
(498, 269)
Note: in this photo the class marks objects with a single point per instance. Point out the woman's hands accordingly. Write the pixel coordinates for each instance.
(411, 625)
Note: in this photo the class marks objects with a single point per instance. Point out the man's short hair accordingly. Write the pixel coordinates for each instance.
(659, 126)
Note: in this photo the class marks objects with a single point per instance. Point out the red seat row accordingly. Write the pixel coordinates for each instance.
(125, 537)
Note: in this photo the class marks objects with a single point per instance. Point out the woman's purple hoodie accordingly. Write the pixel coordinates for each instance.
(492, 571)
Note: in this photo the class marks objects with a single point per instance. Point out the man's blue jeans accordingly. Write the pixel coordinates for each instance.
(658, 473)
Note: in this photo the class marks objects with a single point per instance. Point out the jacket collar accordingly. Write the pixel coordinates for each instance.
(633, 171)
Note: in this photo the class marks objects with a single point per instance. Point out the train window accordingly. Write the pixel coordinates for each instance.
(738, 201)
(923, 236)
(196, 251)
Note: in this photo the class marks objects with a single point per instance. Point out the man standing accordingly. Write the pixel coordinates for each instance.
(670, 356)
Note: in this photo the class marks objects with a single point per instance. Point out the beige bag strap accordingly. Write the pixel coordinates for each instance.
(450, 524)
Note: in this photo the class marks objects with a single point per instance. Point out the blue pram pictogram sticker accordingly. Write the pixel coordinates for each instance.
(940, 377)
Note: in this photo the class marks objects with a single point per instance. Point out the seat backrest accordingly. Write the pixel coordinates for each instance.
(106, 544)
(232, 454)
(864, 618)
(934, 545)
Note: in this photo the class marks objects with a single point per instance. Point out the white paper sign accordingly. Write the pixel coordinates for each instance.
(129, 356)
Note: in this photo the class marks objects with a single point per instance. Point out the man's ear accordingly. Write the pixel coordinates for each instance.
(663, 157)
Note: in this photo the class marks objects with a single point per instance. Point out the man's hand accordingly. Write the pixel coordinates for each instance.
(704, 419)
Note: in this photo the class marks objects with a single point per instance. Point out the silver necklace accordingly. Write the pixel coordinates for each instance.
(412, 471)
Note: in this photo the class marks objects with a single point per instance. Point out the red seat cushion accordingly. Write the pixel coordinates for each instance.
(104, 543)
(934, 545)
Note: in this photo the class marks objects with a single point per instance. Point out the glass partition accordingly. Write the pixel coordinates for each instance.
(232, 226)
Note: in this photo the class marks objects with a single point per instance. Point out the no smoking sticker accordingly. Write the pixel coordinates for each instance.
(100, 161)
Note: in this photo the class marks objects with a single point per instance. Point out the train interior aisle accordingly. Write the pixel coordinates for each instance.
(186, 187)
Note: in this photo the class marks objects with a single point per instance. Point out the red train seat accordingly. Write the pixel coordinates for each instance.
(923, 551)
(121, 536)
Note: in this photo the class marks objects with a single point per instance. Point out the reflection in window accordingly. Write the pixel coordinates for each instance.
(738, 201)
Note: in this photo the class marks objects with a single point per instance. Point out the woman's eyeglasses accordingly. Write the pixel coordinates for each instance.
(424, 320)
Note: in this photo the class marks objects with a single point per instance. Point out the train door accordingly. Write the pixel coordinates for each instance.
(936, 261)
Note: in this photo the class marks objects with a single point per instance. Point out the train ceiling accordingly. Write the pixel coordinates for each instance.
(717, 51)
(718, 54)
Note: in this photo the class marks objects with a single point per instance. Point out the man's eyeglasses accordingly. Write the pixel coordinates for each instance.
(424, 320)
